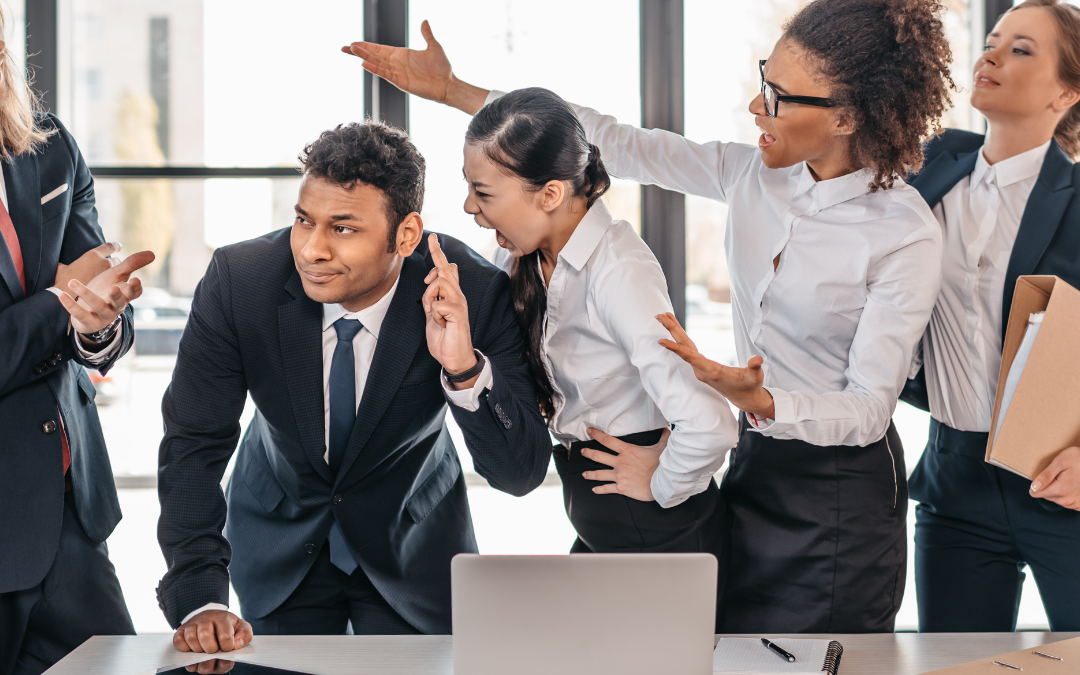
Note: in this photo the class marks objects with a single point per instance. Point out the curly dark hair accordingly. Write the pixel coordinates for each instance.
(374, 154)
(888, 64)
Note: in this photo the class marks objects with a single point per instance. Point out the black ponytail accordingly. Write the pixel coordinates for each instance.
(535, 135)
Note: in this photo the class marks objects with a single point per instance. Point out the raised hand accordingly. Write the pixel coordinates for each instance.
(1060, 481)
(212, 631)
(742, 386)
(426, 73)
(631, 469)
(96, 304)
(89, 265)
(448, 336)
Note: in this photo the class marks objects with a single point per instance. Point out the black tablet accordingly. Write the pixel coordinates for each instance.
(223, 666)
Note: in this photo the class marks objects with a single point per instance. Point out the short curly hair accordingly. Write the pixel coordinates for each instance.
(888, 64)
(374, 154)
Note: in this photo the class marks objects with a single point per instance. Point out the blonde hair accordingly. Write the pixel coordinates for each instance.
(1066, 19)
(20, 108)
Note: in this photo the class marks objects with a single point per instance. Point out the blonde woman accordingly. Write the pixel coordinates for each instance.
(1007, 205)
(63, 306)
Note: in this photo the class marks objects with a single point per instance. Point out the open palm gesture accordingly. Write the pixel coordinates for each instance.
(426, 73)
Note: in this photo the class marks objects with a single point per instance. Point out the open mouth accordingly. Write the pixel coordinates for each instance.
(503, 241)
(982, 80)
(766, 140)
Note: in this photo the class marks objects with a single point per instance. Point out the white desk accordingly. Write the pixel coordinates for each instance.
(881, 654)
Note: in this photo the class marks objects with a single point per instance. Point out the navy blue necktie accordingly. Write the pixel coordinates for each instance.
(342, 418)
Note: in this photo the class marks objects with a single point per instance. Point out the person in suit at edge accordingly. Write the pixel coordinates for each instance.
(347, 500)
(1008, 206)
(816, 484)
(63, 308)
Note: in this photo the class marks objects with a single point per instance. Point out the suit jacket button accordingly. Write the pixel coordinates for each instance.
(310, 548)
(39, 369)
(48, 426)
(337, 499)
(507, 424)
(56, 358)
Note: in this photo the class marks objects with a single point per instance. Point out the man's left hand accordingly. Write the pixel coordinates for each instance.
(448, 336)
(1060, 482)
(631, 469)
(95, 305)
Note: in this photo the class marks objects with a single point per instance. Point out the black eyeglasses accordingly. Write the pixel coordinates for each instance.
(773, 97)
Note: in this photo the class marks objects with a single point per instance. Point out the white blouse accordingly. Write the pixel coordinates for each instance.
(601, 348)
(980, 217)
(839, 320)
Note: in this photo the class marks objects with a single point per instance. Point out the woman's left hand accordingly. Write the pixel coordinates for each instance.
(631, 469)
(742, 386)
(1060, 482)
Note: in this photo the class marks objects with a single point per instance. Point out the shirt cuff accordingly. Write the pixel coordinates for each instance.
(469, 399)
(98, 358)
(783, 412)
(205, 608)
(673, 489)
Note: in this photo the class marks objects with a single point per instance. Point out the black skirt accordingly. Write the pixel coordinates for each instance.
(613, 523)
(818, 536)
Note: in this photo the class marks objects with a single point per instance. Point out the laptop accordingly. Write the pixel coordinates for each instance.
(625, 613)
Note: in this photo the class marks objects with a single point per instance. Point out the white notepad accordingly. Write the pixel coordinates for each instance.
(747, 656)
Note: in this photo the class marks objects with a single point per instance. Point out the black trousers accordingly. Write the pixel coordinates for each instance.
(976, 528)
(330, 602)
(79, 597)
(818, 536)
(616, 524)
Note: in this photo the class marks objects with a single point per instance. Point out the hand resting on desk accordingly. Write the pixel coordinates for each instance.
(212, 631)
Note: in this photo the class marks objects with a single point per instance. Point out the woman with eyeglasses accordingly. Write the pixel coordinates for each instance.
(835, 266)
(1008, 205)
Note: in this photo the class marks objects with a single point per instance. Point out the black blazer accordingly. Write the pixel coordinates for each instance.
(41, 371)
(1048, 241)
(399, 495)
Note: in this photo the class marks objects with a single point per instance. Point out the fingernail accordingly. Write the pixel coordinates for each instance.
(1035, 487)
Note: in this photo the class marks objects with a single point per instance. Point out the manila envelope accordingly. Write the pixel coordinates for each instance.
(1044, 416)
(1025, 659)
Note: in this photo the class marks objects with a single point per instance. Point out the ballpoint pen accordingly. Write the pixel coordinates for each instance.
(790, 658)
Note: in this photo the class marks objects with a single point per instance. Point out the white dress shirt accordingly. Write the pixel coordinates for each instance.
(607, 367)
(364, 343)
(839, 320)
(980, 218)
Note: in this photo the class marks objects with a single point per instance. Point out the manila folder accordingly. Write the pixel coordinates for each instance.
(1031, 663)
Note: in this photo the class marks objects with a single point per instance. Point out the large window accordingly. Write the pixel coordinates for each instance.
(156, 89)
(510, 44)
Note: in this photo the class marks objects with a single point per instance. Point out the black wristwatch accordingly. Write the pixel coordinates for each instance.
(104, 335)
(470, 373)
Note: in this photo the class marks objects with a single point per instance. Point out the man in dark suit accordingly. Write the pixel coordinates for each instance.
(58, 500)
(347, 500)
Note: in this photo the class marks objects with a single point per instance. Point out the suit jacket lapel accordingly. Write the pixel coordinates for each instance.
(24, 206)
(942, 174)
(300, 332)
(401, 334)
(1043, 215)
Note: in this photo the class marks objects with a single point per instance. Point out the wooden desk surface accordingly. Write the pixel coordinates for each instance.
(879, 654)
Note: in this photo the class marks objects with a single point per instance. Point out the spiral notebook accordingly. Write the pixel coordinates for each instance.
(747, 656)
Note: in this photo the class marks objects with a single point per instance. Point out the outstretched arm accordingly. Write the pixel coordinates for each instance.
(647, 156)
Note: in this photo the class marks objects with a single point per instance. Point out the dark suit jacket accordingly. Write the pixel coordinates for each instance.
(1048, 241)
(399, 495)
(41, 371)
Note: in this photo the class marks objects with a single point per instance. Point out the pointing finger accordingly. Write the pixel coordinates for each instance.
(134, 262)
(437, 255)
